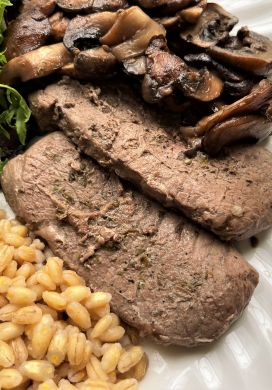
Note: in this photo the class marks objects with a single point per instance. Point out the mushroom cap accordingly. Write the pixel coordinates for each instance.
(249, 51)
(212, 27)
(235, 129)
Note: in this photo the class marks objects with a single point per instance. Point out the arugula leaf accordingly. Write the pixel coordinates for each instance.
(3, 5)
(15, 112)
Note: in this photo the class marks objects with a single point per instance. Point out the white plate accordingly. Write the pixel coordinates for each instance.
(242, 358)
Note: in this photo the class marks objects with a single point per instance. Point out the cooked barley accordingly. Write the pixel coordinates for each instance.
(21, 296)
(27, 315)
(130, 358)
(113, 334)
(6, 355)
(37, 370)
(76, 293)
(79, 314)
(111, 357)
(9, 331)
(18, 281)
(25, 253)
(7, 311)
(10, 378)
(6, 255)
(54, 268)
(101, 326)
(48, 385)
(76, 348)
(42, 335)
(20, 351)
(55, 300)
(26, 270)
(126, 384)
(5, 283)
(95, 370)
(11, 269)
(98, 300)
(71, 278)
(58, 348)
(45, 280)
(66, 385)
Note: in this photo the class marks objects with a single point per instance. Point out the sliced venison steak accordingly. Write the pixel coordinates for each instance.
(231, 195)
(168, 278)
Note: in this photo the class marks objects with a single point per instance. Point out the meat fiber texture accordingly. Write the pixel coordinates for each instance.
(168, 278)
(230, 195)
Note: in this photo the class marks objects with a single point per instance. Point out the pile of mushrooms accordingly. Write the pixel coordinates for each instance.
(180, 51)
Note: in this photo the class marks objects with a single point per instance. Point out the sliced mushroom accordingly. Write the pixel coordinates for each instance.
(135, 66)
(91, 5)
(94, 63)
(131, 33)
(27, 32)
(85, 31)
(259, 97)
(192, 14)
(212, 27)
(235, 129)
(173, 5)
(166, 71)
(202, 85)
(248, 51)
(236, 85)
(45, 6)
(59, 24)
(168, 21)
(37, 63)
(68, 70)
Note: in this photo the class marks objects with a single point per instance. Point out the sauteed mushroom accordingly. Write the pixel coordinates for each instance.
(166, 71)
(91, 5)
(248, 51)
(131, 33)
(27, 32)
(37, 63)
(258, 98)
(59, 24)
(45, 6)
(94, 63)
(212, 27)
(86, 30)
(173, 5)
(235, 129)
(192, 14)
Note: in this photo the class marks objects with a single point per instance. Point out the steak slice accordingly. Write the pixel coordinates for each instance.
(231, 195)
(168, 278)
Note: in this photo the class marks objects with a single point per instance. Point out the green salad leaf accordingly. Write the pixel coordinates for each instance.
(14, 111)
(3, 5)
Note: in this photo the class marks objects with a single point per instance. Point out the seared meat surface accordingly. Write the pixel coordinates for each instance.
(230, 195)
(168, 278)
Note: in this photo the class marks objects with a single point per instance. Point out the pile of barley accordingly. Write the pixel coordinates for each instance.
(55, 333)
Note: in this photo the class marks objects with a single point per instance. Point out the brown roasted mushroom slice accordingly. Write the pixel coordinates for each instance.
(248, 51)
(27, 32)
(45, 6)
(166, 71)
(91, 5)
(84, 31)
(94, 63)
(202, 85)
(212, 27)
(235, 129)
(170, 5)
(59, 24)
(131, 33)
(135, 66)
(258, 98)
(236, 85)
(192, 14)
(37, 63)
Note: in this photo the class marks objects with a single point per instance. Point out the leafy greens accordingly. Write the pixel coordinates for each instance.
(14, 112)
